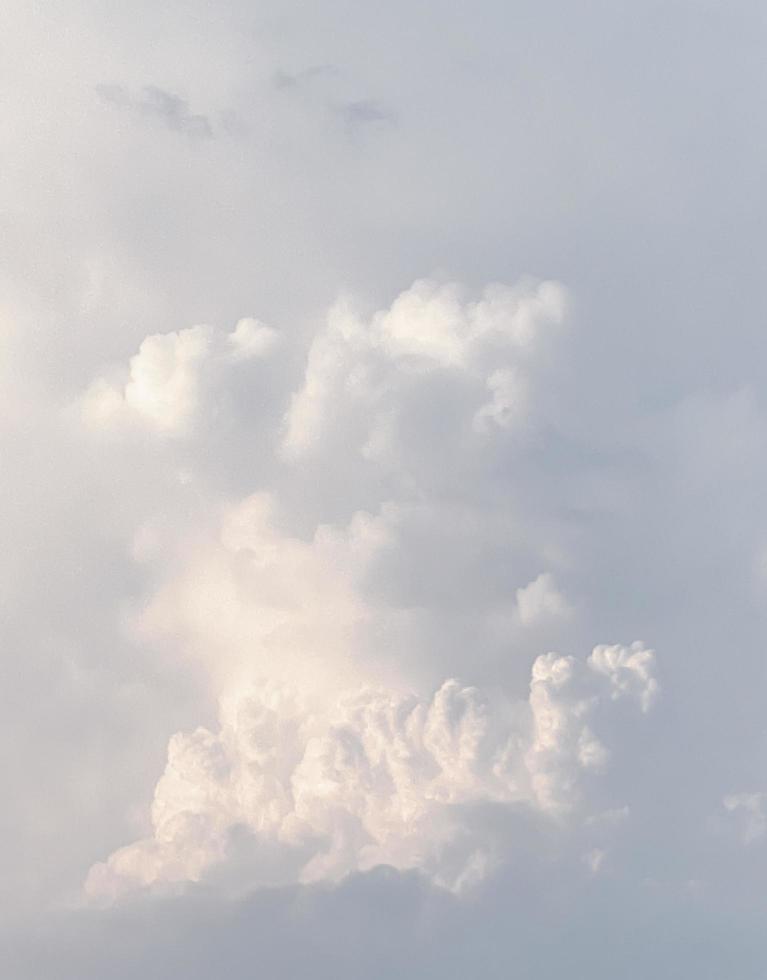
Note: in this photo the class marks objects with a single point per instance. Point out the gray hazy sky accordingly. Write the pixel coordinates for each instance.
(383, 548)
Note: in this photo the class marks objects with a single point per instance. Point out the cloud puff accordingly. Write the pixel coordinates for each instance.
(375, 778)
(629, 670)
(166, 380)
(540, 600)
(486, 348)
(749, 811)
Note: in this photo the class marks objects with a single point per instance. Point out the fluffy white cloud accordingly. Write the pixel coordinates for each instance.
(168, 379)
(369, 368)
(319, 640)
(372, 778)
(629, 670)
(449, 485)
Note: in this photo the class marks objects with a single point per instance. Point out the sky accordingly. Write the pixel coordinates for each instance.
(383, 547)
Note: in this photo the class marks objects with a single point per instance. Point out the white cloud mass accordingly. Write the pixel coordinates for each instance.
(380, 386)
(326, 773)
(164, 386)
(376, 779)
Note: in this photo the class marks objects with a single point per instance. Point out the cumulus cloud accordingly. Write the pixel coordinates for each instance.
(375, 778)
(487, 348)
(227, 535)
(167, 380)
(360, 489)
(335, 752)
(628, 670)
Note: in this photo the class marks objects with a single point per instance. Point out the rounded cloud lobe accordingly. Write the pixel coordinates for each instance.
(490, 345)
(165, 385)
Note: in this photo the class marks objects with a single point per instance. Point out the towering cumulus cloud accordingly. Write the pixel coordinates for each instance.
(317, 604)
(373, 778)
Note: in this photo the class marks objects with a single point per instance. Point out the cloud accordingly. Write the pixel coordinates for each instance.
(364, 369)
(749, 810)
(167, 380)
(340, 746)
(630, 670)
(364, 112)
(315, 84)
(540, 600)
(374, 778)
(538, 919)
(196, 539)
(155, 102)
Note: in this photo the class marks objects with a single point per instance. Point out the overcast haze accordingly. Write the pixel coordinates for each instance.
(383, 537)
